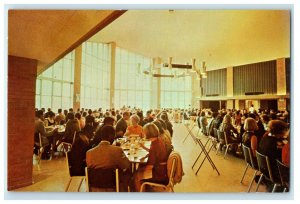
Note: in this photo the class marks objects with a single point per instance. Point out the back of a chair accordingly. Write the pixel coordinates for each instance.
(284, 172)
(248, 155)
(221, 136)
(40, 140)
(102, 178)
(216, 133)
(69, 162)
(172, 170)
(264, 165)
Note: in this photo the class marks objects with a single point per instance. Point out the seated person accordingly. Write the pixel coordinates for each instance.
(165, 137)
(269, 145)
(50, 121)
(89, 123)
(72, 126)
(249, 138)
(122, 125)
(47, 137)
(97, 138)
(227, 127)
(78, 155)
(156, 168)
(164, 117)
(105, 155)
(135, 128)
(59, 117)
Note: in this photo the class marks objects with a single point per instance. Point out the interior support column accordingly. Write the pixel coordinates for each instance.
(77, 78)
(112, 74)
(21, 112)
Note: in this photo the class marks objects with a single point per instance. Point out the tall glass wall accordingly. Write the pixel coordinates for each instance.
(132, 87)
(175, 92)
(54, 87)
(95, 75)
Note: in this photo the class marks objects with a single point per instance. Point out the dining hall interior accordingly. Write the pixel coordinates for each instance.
(183, 101)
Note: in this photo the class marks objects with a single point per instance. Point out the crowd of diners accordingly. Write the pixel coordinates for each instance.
(96, 137)
(265, 131)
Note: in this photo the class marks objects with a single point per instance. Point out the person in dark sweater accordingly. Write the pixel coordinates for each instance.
(269, 145)
(97, 138)
(164, 117)
(77, 159)
(122, 125)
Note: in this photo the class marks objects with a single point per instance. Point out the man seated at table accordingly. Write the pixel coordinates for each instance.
(47, 137)
(97, 138)
(122, 125)
(106, 156)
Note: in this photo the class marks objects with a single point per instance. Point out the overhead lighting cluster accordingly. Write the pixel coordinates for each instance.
(157, 64)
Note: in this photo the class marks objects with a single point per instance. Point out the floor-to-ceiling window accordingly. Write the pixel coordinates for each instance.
(176, 92)
(132, 87)
(54, 87)
(95, 75)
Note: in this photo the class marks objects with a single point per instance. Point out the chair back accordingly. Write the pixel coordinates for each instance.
(172, 170)
(40, 140)
(69, 162)
(284, 172)
(221, 136)
(248, 156)
(264, 166)
(215, 133)
(102, 178)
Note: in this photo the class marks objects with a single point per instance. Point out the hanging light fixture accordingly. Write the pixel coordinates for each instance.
(170, 63)
(204, 73)
(193, 65)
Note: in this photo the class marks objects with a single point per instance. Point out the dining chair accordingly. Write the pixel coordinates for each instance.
(68, 146)
(265, 169)
(99, 179)
(250, 163)
(221, 140)
(71, 176)
(229, 143)
(170, 185)
(40, 147)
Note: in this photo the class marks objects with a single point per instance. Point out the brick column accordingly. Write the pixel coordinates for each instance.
(20, 131)
(77, 78)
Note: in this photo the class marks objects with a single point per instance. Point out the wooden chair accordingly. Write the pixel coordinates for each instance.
(40, 148)
(69, 166)
(68, 146)
(103, 179)
(250, 163)
(170, 184)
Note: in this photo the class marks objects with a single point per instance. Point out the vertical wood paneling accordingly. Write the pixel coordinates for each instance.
(215, 83)
(257, 77)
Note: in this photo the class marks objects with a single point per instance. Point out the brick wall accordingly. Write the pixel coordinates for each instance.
(20, 130)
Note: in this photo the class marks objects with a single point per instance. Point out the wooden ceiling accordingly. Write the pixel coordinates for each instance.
(221, 38)
(47, 35)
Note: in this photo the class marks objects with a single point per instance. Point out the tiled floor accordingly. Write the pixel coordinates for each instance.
(52, 175)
